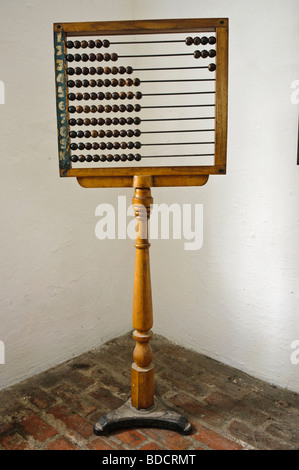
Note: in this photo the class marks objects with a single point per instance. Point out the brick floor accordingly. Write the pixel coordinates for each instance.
(229, 410)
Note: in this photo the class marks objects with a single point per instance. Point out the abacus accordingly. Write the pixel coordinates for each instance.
(142, 104)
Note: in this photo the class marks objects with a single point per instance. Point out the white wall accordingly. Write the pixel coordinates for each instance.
(64, 292)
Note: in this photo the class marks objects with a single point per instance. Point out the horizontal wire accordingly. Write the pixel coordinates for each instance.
(179, 106)
(170, 68)
(154, 55)
(177, 143)
(179, 130)
(182, 155)
(180, 93)
(180, 80)
(177, 119)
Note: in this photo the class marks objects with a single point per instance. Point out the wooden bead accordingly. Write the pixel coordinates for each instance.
(79, 109)
(95, 146)
(212, 67)
(91, 43)
(204, 54)
(92, 83)
(85, 96)
(101, 121)
(109, 145)
(70, 71)
(92, 70)
(122, 108)
(137, 157)
(107, 70)
(212, 53)
(88, 146)
(100, 83)
(103, 158)
(114, 57)
(106, 43)
(88, 158)
(136, 81)
(81, 158)
(83, 44)
(86, 109)
(196, 54)
(100, 57)
(122, 70)
(107, 57)
(130, 157)
(93, 121)
(108, 121)
(130, 95)
(121, 82)
(115, 133)
(86, 122)
(115, 108)
(137, 107)
(69, 44)
(87, 134)
(212, 40)
(81, 146)
(129, 70)
(107, 82)
(116, 157)
(100, 70)
(80, 134)
(93, 109)
(85, 70)
(98, 43)
(123, 145)
(204, 40)
(114, 82)
(74, 158)
(92, 57)
(77, 44)
(189, 41)
(114, 70)
(130, 120)
(108, 95)
(96, 158)
(129, 82)
(102, 134)
(109, 158)
(196, 41)
(108, 108)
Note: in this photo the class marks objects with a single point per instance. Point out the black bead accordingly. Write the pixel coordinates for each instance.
(137, 157)
(85, 96)
(91, 43)
(196, 54)
(93, 96)
(92, 70)
(109, 158)
(137, 145)
(79, 122)
(204, 40)
(103, 158)
(115, 108)
(86, 109)
(107, 82)
(72, 109)
(98, 43)
(85, 70)
(115, 95)
(137, 120)
(88, 146)
(212, 53)
(116, 157)
(73, 134)
(130, 95)
(81, 146)
(100, 70)
(78, 83)
(122, 121)
(95, 146)
(114, 70)
(69, 44)
(92, 57)
(116, 145)
(85, 83)
(108, 121)
(108, 108)
(70, 71)
(130, 157)
(109, 133)
(115, 133)
(115, 121)
(102, 146)
(196, 41)
(96, 158)
(114, 82)
(137, 132)
(130, 145)
(189, 41)
(130, 120)
(74, 146)
(88, 158)
(137, 107)
(121, 82)
(77, 57)
(100, 83)
(102, 134)
(130, 133)
(78, 70)
(79, 96)
(109, 145)
(77, 44)
(101, 96)
(123, 157)
(86, 122)
(106, 43)
(129, 70)
(123, 145)
(108, 95)
(204, 54)
(107, 57)
(122, 70)
(93, 109)
(83, 44)
(212, 40)
(101, 121)
(100, 57)
(80, 134)
(70, 57)
(84, 57)
(70, 83)
(81, 158)
(138, 95)
(114, 57)
(212, 67)
(92, 83)
(71, 96)
(123, 133)
(74, 158)
(136, 81)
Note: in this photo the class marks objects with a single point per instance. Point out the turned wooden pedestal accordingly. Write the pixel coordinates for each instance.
(143, 409)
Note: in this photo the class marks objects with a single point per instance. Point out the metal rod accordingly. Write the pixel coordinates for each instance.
(179, 106)
(179, 130)
(171, 68)
(180, 80)
(176, 119)
(177, 143)
(153, 55)
(180, 93)
(182, 155)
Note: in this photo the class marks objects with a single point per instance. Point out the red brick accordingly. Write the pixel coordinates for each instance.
(214, 440)
(72, 420)
(171, 440)
(101, 444)
(151, 446)
(198, 409)
(74, 399)
(61, 444)
(37, 428)
(15, 442)
(130, 438)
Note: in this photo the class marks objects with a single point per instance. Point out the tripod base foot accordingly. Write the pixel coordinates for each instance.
(158, 415)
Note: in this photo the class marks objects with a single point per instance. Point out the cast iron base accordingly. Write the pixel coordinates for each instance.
(158, 415)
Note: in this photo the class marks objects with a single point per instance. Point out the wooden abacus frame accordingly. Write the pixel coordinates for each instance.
(161, 176)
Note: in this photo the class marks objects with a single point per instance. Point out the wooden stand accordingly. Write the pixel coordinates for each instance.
(143, 409)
